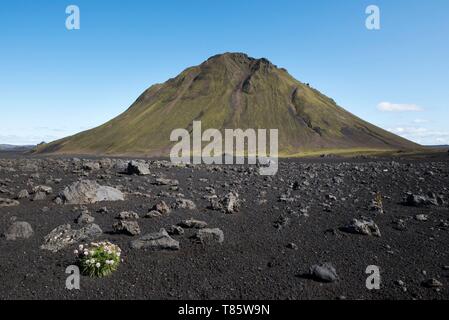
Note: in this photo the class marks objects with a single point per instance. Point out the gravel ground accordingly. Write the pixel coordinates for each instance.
(280, 227)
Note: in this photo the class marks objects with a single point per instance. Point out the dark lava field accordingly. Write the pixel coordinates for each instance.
(224, 231)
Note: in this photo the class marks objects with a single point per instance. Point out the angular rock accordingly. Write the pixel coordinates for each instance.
(19, 230)
(167, 182)
(184, 204)
(64, 236)
(324, 272)
(421, 200)
(129, 227)
(432, 283)
(292, 246)
(231, 202)
(175, 230)
(87, 191)
(85, 218)
(43, 189)
(162, 207)
(153, 214)
(5, 202)
(363, 227)
(208, 235)
(23, 194)
(192, 223)
(128, 215)
(156, 241)
(39, 196)
(422, 217)
(139, 168)
(91, 166)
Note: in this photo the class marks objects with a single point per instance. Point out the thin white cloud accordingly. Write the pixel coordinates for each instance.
(420, 121)
(422, 135)
(398, 107)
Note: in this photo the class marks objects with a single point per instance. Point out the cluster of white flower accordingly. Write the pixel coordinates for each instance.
(99, 258)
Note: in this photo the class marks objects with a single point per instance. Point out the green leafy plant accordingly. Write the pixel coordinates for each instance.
(99, 259)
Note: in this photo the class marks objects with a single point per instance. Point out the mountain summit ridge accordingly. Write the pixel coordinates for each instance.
(230, 91)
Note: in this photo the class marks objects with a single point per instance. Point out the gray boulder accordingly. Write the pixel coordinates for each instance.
(423, 200)
(324, 272)
(162, 207)
(39, 196)
(139, 168)
(153, 214)
(5, 202)
(184, 204)
(156, 241)
(128, 215)
(192, 223)
(229, 204)
(91, 166)
(85, 218)
(175, 230)
(368, 228)
(64, 236)
(19, 230)
(129, 227)
(87, 191)
(23, 194)
(167, 182)
(207, 235)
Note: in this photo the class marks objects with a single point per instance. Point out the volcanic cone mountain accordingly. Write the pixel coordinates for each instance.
(230, 91)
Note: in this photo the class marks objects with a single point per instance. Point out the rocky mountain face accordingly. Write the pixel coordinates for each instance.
(232, 91)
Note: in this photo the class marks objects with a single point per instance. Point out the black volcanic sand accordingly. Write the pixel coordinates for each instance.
(254, 261)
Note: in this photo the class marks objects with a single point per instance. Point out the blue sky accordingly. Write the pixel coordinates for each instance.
(55, 82)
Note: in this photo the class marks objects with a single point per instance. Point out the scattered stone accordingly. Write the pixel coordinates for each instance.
(422, 217)
(292, 246)
(324, 272)
(43, 189)
(184, 204)
(129, 227)
(91, 166)
(23, 194)
(432, 283)
(192, 223)
(5, 202)
(39, 196)
(281, 222)
(87, 191)
(128, 215)
(229, 204)
(421, 200)
(399, 224)
(64, 236)
(167, 182)
(162, 207)
(103, 210)
(363, 227)
(156, 241)
(208, 235)
(139, 168)
(19, 230)
(153, 214)
(175, 230)
(85, 218)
